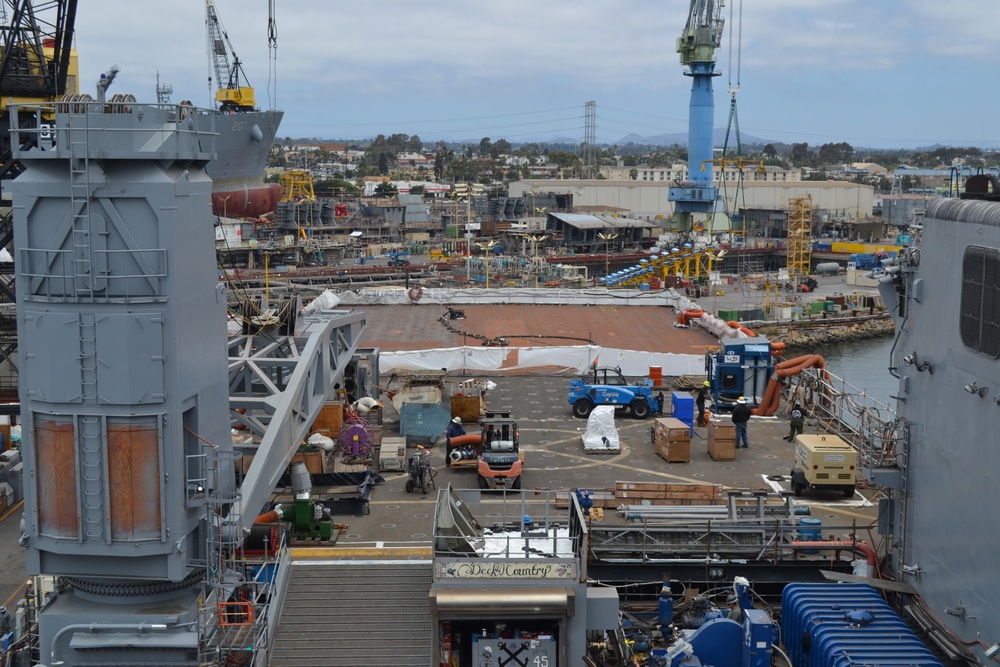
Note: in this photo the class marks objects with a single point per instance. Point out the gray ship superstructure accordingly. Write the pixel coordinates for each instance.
(243, 141)
(131, 499)
(945, 295)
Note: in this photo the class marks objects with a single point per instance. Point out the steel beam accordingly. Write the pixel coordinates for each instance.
(282, 383)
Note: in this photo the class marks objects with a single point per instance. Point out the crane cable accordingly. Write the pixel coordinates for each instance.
(739, 48)
(733, 124)
(272, 51)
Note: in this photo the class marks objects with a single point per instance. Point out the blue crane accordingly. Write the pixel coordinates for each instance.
(697, 46)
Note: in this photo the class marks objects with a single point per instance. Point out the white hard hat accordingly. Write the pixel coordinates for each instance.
(457, 420)
(741, 400)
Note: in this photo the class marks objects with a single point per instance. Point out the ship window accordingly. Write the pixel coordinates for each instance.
(979, 321)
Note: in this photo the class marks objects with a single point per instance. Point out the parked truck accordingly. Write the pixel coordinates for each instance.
(495, 453)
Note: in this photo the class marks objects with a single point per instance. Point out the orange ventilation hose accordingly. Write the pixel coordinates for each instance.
(772, 395)
(683, 318)
(470, 439)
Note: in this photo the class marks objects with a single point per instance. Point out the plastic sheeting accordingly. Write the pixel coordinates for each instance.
(524, 295)
(601, 434)
(708, 321)
(328, 300)
(447, 358)
(576, 359)
(636, 363)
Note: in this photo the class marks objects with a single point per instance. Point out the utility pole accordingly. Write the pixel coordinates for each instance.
(535, 240)
(607, 238)
(590, 140)
(486, 247)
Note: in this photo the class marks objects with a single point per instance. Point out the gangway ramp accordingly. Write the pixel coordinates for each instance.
(345, 612)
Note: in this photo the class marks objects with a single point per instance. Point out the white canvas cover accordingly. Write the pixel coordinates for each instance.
(601, 434)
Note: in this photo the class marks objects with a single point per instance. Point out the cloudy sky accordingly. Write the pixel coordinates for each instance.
(880, 73)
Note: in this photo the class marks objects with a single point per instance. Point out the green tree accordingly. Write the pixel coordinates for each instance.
(386, 189)
(841, 153)
(500, 147)
(484, 147)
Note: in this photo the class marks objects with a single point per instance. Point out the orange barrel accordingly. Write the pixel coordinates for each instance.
(656, 375)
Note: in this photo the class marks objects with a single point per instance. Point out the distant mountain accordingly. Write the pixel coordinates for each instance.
(681, 138)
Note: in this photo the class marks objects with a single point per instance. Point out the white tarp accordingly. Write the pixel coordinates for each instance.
(576, 359)
(601, 434)
(451, 359)
(636, 363)
(522, 295)
(328, 300)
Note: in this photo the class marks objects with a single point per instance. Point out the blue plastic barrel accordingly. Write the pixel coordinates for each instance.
(810, 528)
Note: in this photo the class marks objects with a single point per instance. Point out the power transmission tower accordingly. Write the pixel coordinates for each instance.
(590, 140)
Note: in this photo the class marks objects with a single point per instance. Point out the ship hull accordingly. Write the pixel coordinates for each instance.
(243, 142)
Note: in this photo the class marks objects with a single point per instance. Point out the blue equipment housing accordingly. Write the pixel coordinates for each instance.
(843, 624)
(742, 367)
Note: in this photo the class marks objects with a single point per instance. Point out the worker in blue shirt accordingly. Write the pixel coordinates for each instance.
(455, 429)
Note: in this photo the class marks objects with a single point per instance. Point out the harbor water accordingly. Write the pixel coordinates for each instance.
(865, 365)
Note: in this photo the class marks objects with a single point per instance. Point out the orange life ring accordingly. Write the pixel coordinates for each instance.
(415, 293)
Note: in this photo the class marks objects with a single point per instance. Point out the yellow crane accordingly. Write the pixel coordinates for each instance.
(231, 95)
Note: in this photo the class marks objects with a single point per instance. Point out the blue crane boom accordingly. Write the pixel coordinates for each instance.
(697, 47)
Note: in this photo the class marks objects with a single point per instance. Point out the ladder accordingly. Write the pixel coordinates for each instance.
(93, 514)
(80, 190)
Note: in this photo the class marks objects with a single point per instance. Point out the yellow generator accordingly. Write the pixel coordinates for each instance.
(824, 462)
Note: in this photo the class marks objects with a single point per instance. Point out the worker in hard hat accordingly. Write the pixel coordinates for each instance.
(455, 429)
(735, 611)
(741, 415)
(699, 402)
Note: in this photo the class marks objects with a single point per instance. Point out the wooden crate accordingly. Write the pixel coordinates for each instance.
(722, 450)
(721, 430)
(5, 431)
(330, 419)
(678, 451)
(671, 429)
(315, 461)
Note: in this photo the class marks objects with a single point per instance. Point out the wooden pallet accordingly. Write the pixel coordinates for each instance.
(600, 452)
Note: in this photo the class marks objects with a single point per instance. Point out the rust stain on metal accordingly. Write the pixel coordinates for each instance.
(134, 480)
(55, 456)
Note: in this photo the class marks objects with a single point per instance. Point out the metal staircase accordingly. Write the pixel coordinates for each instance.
(355, 613)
